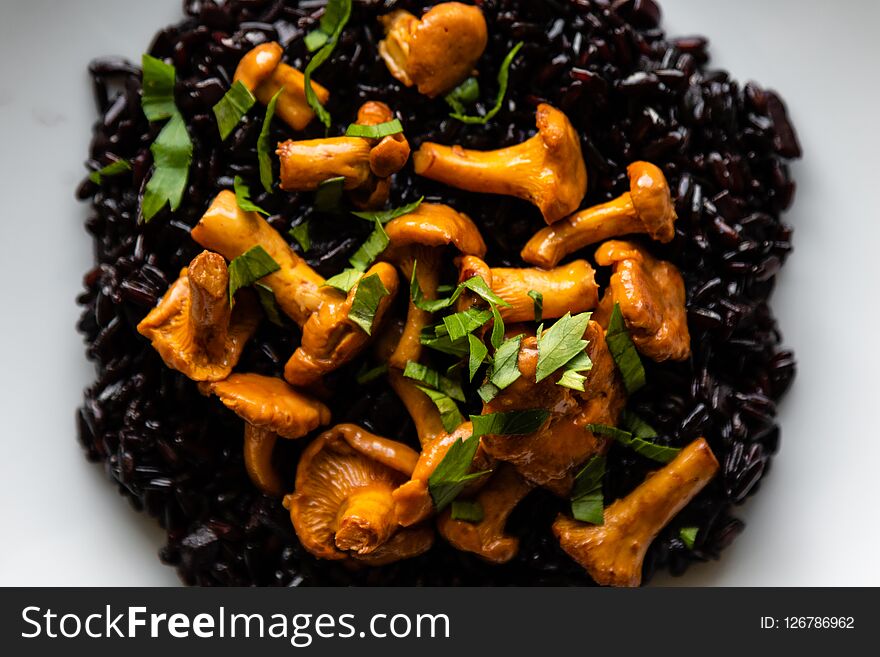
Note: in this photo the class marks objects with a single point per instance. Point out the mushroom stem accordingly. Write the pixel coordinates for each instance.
(231, 231)
(210, 312)
(306, 164)
(547, 170)
(258, 445)
(613, 552)
(504, 490)
(366, 520)
(646, 208)
(421, 409)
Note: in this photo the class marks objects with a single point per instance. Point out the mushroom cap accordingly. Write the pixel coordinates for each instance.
(192, 330)
(342, 500)
(563, 151)
(435, 224)
(268, 402)
(652, 200)
(258, 64)
(436, 52)
(389, 155)
(407, 543)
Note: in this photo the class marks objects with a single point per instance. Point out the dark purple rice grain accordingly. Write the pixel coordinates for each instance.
(631, 93)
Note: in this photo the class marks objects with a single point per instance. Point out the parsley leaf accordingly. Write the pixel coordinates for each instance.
(365, 375)
(461, 324)
(243, 197)
(433, 379)
(636, 425)
(641, 446)
(157, 92)
(333, 14)
(264, 152)
(475, 284)
(538, 300)
(503, 74)
(560, 343)
(371, 249)
(300, 233)
(571, 375)
(377, 131)
(450, 416)
(248, 268)
(688, 536)
(172, 155)
(452, 473)
(328, 195)
(235, 104)
(505, 367)
(344, 280)
(463, 96)
(477, 354)
(370, 291)
(467, 510)
(488, 391)
(511, 423)
(384, 216)
(624, 352)
(113, 169)
(342, 12)
(497, 335)
(587, 501)
(270, 304)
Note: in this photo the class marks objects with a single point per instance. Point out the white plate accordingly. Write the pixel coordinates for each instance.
(814, 521)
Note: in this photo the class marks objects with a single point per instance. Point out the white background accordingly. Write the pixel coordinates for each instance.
(815, 521)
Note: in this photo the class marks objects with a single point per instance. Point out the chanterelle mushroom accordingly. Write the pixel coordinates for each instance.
(436, 52)
(415, 240)
(366, 164)
(646, 208)
(330, 338)
(270, 408)
(262, 71)
(505, 489)
(651, 295)
(547, 170)
(194, 329)
(569, 288)
(342, 506)
(613, 552)
(550, 456)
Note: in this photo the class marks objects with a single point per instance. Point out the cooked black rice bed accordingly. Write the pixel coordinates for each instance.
(630, 91)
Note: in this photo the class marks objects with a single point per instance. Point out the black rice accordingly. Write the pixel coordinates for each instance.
(631, 92)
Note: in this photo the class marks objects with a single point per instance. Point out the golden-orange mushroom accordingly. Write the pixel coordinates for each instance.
(193, 327)
(342, 506)
(486, 538)
(547, 170)
(569, 288)
(646, 208)
(262, 71)
(613, 552)
(330, 338)
(436, 52)
(651, 295)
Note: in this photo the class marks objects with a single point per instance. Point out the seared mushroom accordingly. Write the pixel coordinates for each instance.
(651, 295)
(613, 552)
(194, 329)
(569, 288)
(342, 506)
(270, 408)
(231, 231)
(436, 52)
(416, 238)
(550, 456)
(547, 170)
(646, 208)
(486, 538)
(262, 71)
(330, 338)
(366, 164)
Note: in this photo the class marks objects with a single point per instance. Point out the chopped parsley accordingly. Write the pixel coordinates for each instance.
(243, 197)
(561, 343)
(538, 300)
(377, 131)
(624, 352)
(370, 292)
(341, 11)
(503, 75)
(300, 233)
(264, 150)
(115, 168)
(467, 510)
(587, 501)
(230, 109)
(384, 216)
(248, 268)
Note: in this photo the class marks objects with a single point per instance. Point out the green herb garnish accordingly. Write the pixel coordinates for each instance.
(475, 284)
(433, 379)
(452, 473)
(688, 536)
(270, 304)
(232, 107)
(377, 131)
(370, 291)
(571, 376)
(157, 90)
(538, 300)
(172, 155)
(384, 216)
(300, 233)
(587, 501)
(334, 13)
(243, 197)
(460, 324)
(113, 169)
(511, 423)
(365, 375)
(477, 352)
(503, 74)
(450, 416)
(624, 352)
(505, 366)
(328, 195)
(341, 13)
(467, 510)
(344, 280)
(561, 343)
(641, 446)
(463, 96)
(371, 249)
(249, 267)
(264, 152)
